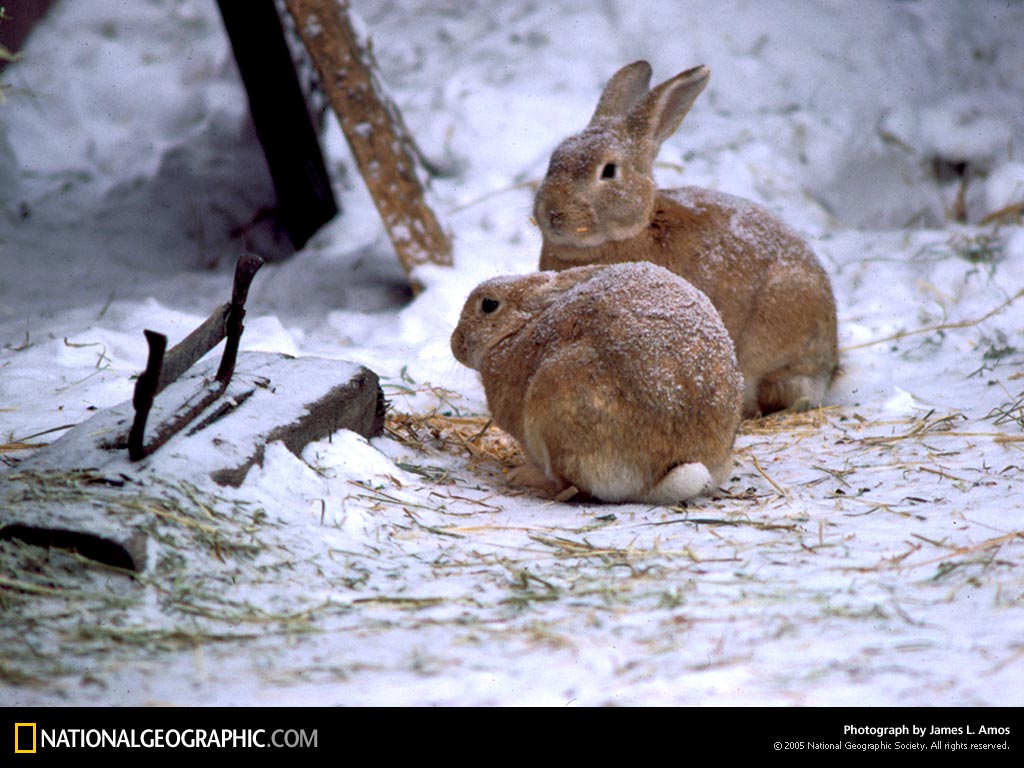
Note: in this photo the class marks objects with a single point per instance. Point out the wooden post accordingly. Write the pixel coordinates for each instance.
(382, 146)
(290, 140)
(17, 18)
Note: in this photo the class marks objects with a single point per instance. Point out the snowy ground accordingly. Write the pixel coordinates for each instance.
(867, 553)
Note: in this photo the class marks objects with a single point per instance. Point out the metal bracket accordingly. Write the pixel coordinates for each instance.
(162, 370)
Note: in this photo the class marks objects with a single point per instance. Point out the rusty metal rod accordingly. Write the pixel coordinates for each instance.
(145, 392)
(226, 321)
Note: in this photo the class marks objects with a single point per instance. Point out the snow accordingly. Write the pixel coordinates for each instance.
(866, 554)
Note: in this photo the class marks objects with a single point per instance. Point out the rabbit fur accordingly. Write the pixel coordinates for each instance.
(598, 204)
(618, 380)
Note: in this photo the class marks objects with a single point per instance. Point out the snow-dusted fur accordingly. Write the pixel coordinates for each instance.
(599, 205)
(618, 380)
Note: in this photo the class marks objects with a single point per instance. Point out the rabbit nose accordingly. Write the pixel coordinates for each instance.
(556, 218)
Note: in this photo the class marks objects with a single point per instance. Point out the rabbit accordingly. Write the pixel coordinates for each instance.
(598, 204)
(619, 380)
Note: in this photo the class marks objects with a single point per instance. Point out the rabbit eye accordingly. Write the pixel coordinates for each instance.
(489, 305)
(609, 171)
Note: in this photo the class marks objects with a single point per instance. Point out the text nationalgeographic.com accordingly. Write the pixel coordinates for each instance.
(173, 738)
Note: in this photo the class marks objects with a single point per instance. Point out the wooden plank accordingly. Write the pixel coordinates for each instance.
(382, 145)
(83, 492)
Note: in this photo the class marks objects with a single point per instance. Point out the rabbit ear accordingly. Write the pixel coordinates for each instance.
(625, 89)
(658, 114)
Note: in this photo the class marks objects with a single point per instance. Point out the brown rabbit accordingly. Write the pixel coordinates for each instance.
(599, 205)
(618, 380)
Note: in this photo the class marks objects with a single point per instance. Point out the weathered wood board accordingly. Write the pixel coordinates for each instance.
(83, 492)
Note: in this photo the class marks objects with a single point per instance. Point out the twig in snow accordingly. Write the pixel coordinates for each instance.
(939, 327)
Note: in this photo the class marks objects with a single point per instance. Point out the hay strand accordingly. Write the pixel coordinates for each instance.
(940, 327)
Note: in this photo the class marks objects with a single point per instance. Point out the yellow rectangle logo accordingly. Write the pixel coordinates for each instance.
(18, 729)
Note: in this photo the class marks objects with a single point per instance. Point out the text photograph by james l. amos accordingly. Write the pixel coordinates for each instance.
(905, 731)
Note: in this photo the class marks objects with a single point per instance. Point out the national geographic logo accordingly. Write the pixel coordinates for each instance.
(24, 738)
(29, 738)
